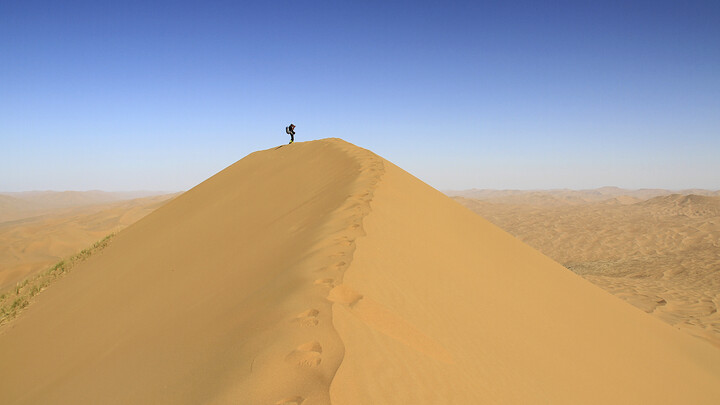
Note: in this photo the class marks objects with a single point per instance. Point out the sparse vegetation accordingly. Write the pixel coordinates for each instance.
(14, 301)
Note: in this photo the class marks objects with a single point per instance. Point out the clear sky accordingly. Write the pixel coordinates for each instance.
(130, 95)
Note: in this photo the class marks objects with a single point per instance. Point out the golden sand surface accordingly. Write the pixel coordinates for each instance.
(319, 273)
(661, 254)
(47, 227)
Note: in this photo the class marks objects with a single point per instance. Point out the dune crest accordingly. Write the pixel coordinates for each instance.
(319, 273)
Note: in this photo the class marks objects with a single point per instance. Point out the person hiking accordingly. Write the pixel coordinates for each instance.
(291, 131)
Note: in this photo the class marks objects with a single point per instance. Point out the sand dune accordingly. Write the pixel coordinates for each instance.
(320, 273)
(661, 254)
(692, 206)
(35, 242)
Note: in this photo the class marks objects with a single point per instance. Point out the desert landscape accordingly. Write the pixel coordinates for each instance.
(307, 248)
(318, 273)
(657, 249)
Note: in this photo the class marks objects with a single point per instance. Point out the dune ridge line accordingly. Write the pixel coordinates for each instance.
(352, 212)
(315, 362)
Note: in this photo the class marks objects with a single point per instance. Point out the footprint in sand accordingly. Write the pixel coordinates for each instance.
(345, 241)
(308, 318)
(325, 282)
(296, 400)
(306, 355)
(342, 294)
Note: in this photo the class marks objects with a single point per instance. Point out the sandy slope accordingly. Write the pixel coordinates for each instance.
(34, 243)
(661, 255)
(319, 272)
(456, 311)
(209, 299)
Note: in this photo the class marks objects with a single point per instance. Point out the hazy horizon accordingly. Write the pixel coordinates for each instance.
(443, 190)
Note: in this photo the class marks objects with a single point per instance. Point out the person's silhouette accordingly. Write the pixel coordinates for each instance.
(291, 131)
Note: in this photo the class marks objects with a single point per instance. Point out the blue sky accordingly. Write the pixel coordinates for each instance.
(161, 95)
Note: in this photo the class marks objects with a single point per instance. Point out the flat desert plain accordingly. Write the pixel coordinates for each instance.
(657, 249)
(37, 229)
(321, 273)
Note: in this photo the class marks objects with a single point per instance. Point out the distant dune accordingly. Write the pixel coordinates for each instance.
(39, 237)
(661, 254)
(692, 206)
(318, 273)
(613, 195)
(19, 205)
(11, 206)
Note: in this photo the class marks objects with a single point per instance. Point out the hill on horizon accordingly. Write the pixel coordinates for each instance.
(318, 273)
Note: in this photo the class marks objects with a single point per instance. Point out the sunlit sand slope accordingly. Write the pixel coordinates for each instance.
(318, 273)
(216, 297)
(454, 310)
